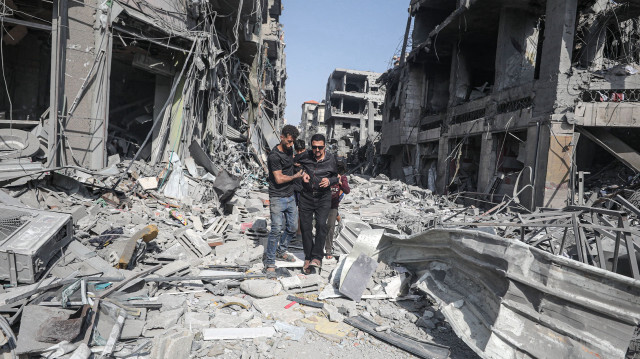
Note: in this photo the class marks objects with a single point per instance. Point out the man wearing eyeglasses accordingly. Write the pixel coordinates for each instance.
(320, 173)
(282, 203)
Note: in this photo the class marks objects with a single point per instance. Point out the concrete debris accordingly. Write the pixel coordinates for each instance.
(482, 220)
(180, 293)
(261, 288)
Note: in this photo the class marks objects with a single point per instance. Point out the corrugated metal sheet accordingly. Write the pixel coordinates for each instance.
(506, 299)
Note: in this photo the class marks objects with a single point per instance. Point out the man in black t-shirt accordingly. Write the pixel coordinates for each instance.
(282, 203)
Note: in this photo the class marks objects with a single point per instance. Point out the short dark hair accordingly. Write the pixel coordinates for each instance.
(290, 130)
(299, 145)
(318, 137)
(342, 168)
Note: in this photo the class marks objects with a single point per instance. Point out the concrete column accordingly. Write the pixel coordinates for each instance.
(487, 161)
(549, 136)
(554, 165)
(363, 131)
(444, 147)
(372, 122)
(551, 168)
(552, 89)
(83, 48)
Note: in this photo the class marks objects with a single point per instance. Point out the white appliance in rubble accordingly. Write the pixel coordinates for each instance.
(29, 239)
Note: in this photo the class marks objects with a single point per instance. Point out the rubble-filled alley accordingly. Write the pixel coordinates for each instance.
(139, 151)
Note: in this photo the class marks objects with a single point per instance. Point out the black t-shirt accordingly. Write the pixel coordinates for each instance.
(280, 161)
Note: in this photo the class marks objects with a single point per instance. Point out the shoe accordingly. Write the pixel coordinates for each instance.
(315, 263)
(286, 257)
(306, 268)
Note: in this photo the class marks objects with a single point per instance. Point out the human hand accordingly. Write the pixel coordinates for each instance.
(324, 183)
(306, 178)
(298, 174)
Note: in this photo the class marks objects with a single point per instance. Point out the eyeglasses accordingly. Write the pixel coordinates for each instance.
(317, 147)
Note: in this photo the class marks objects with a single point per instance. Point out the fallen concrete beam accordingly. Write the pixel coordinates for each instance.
(506, 299)
(615, 146)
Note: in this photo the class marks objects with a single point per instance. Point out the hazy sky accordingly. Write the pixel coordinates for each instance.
(322, 35)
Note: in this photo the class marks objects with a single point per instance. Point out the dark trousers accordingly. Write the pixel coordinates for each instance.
(313, 204)
(331, 226)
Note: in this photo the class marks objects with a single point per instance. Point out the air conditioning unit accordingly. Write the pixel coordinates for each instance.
(29, 239)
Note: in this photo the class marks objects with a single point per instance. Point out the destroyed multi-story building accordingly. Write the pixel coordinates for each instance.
(513, 98)
(306, 119)
(312, 120)
(317, 124)
(140, 78)
(353, 112)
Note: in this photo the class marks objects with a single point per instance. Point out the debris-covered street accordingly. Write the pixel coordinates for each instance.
(477, 198)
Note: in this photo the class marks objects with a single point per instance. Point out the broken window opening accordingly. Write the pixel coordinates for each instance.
(394, 113)
(437, 87)
(131, 108)
(350, 106)
(475, 72)
(27, 71)
(606, 171)
(355, 84)
(510, 156)
(464, 164)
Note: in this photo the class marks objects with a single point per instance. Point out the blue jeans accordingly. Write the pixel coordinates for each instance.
(284, 224)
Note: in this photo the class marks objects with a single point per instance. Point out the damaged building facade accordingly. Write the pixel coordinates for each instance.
(86, 81)
(513, 98)
(161, 254)
(312, 120)
(353, 113)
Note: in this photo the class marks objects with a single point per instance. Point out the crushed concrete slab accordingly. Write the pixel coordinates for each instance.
(171, 301)
(196, 321)
(166, 319)
(230, 320)
(148, 183)
(332, 313)
(273, 308)
(173, 345)
(261, 288)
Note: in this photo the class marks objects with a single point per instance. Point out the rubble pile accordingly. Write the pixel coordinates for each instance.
(166, 260)
(169, 262)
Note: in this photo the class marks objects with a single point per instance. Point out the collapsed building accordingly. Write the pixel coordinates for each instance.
(159, 254)
(312, 120)
(353, 113)
(85, 81)
(517, 98)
